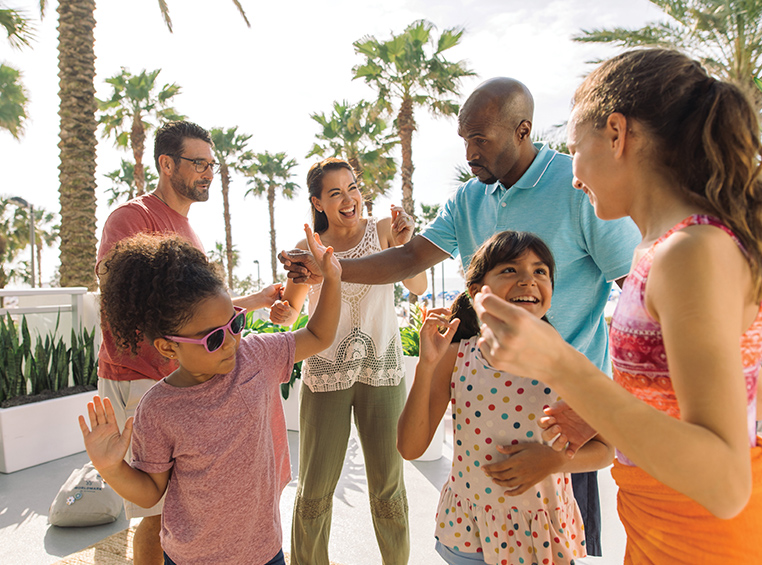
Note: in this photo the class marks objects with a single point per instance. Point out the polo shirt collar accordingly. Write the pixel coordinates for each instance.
(535, 171)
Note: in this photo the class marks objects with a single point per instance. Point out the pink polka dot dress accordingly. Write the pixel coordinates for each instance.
(491, 408)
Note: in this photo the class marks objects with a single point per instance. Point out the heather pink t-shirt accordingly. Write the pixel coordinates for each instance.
(225, 441)
(144, 214)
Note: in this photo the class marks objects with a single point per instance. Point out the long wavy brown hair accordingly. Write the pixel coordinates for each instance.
(704, 132)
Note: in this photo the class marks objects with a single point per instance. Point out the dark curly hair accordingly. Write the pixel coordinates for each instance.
(502, 247)
(152, 286)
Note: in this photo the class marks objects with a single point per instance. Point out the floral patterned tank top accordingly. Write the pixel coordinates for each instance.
(637, 345)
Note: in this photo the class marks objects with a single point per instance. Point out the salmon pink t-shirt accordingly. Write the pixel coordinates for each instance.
(144, 214)
(225, 441)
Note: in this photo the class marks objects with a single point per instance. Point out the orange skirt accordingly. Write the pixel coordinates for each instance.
(664, 526)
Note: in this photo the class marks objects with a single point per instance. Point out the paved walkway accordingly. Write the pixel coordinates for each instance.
(27, 539)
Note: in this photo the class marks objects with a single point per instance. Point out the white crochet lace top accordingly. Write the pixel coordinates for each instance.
(367, 348)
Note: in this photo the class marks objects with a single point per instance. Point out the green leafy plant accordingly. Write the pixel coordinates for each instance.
(84, 358)
(260, 326)
(410, 334)
(12, 354)
(27, 369)
(758, 82)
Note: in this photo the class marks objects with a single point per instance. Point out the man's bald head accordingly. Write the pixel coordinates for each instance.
(504, 100)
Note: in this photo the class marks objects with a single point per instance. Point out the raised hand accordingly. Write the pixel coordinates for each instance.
(434, 342)
(565, 425)
(402, 225)
(301, 266)
(327, 262)
(105, 445)
(526, 465)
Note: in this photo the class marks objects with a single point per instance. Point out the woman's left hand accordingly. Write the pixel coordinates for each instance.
(402, 226)
(527, 464)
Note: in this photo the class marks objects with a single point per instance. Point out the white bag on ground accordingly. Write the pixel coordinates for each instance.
(85, 500)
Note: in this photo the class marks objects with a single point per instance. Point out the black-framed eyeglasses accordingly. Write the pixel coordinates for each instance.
(201, 165)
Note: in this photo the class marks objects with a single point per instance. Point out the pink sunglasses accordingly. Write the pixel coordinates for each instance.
(215, 338)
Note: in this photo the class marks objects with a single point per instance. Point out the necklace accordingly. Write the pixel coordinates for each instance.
(156, 194)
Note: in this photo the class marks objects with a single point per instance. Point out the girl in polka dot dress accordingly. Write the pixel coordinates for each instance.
(509, 497)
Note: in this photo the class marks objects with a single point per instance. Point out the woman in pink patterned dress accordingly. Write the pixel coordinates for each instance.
(654, 137)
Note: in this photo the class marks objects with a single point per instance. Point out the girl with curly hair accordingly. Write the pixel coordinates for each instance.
(211, 434)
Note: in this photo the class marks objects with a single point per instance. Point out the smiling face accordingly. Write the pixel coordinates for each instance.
(524, 281)
(340, 199)
(184, 179)
(197, 365)
(594, 168)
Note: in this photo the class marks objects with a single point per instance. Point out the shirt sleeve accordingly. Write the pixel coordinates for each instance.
(152, 446)
(610, 243)
(441, 232)
(275, 352)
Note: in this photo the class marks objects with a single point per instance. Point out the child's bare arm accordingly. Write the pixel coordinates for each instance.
(107, 448)
(430, 393)
(321, 328)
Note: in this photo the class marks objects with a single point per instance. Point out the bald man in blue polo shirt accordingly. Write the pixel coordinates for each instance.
(523, 186)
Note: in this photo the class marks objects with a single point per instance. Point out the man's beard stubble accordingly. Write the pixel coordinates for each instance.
(190, 191)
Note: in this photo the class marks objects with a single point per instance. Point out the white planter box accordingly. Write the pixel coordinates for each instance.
(291, 407)
(39, 432)
(434, 451)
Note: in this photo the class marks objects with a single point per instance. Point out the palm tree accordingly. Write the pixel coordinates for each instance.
(724, 35)
(76, 63)
(13, 96)
(428, 213)
(411, 69)
(134, 107)
(230, 151)
(45, 233)
(14, 239)
(123, 182)
(13, 100)
(270, 172)
(357, 133)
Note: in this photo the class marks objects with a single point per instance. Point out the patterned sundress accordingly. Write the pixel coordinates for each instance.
(492, 408)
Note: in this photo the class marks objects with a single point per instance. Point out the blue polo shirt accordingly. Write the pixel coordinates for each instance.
(590, 253)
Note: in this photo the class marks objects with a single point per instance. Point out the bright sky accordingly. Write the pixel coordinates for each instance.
(295, 60)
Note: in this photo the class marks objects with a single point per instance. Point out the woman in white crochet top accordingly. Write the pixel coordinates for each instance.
(360, 374)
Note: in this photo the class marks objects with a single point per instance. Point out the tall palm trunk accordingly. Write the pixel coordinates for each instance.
(273, 248)
(225, 180)
(406, 125)
(138, 143)
(76, 64)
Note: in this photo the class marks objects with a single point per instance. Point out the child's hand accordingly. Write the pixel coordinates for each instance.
(402, 225)
(573, 430)
(105, 445)
(527, 465)
(433, 342)
(329, 265)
